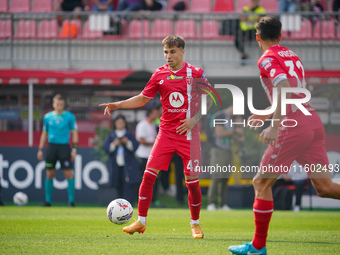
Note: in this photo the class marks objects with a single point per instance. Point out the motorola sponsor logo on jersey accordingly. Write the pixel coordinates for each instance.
(176, 100)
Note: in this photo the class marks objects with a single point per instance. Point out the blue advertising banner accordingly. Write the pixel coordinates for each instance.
(10, 114)
(20, 170)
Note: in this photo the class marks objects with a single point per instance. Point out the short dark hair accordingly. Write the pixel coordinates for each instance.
(174, 41)
(150, 110)
(58, 97)
(120, 116)
(269, 28)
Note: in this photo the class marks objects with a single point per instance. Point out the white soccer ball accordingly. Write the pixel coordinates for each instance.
(119, 211)
(20, 198)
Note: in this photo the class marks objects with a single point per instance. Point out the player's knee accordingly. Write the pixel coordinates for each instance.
(323, 187)
(68, 174)
(261, 184)
(50, 174)
(258, 184)
(322, 191)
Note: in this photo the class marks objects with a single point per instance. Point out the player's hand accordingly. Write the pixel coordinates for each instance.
(73, 155)
(257, 121)
(116, 142)
(187, 125)
(270, 135)
(149, 3)
(110, 107)
(40, 155)
(124, 140)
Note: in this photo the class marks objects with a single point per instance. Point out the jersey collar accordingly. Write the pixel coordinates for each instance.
(184, 65)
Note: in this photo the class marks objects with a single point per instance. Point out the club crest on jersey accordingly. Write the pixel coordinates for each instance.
(265, 61)
(176, 99)
(189, 80)
(272, 72)
(175, 77)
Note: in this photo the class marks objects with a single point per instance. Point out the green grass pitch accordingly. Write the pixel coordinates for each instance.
(86, 230)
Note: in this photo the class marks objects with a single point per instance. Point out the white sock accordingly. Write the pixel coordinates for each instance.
(194, 222)
(142, 220)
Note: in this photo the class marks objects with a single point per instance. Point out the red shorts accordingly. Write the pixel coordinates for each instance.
(305, 144)
(165, 146)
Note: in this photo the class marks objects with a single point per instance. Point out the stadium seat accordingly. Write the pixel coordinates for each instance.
(224, 6)
(270, 6)
(72, 29)
(172, 3)
(136, 30)
(5, 29)
(78, 24)
(326, 28)
(26, 29)
(325, 5)
(241, 3)
(91, 34)
(331, 29)
(20, 6)
(48, 29)
(161, 28)
(305, 33)
(186, 29)
(209, 29)
(3, 5)
(200, 6)
(42, 6)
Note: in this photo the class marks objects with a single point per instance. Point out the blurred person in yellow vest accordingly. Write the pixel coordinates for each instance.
(246, 27)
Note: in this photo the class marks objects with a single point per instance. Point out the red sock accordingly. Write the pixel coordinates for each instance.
(263, 210)
(145, 192)
(194, 198)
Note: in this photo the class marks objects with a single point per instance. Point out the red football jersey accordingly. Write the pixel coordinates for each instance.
(279, 63)
(180, 95)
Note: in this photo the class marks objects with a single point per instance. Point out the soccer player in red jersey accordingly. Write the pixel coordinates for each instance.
(180, 85)
(281, 68)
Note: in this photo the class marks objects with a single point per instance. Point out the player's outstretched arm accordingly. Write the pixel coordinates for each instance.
(133, 102)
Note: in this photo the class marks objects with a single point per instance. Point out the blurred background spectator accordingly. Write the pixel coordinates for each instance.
(317, 8)
(298, 178)
(123, 167)
(220, 155)
(75, 6)
(336, 7)
(287, 6)
(103, 6)
(146, 135)
(155, 5)
(246, 28)
(130, 5)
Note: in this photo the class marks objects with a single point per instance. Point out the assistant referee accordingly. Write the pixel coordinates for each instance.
(57, 127)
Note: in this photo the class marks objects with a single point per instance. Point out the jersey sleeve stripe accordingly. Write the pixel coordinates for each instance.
(279, 78)
(146, 96)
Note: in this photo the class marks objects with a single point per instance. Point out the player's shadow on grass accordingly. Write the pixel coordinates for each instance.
(207, 239)
(165, 237)
(311, 242)
(269, 241)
